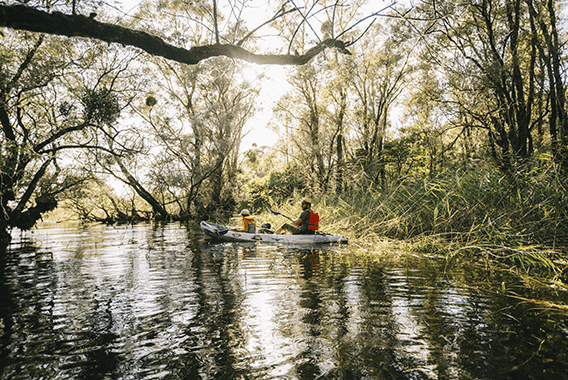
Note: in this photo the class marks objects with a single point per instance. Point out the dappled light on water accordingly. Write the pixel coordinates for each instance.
(161, 302)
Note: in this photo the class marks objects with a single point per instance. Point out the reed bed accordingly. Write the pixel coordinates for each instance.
(519, 219)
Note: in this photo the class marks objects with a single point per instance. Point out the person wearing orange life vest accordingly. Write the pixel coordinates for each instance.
(248, 222)
(306, 224)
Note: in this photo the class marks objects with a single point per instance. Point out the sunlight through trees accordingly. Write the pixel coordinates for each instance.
(378, 96)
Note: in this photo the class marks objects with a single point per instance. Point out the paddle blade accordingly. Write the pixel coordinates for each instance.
(278, 213)
(272, 212)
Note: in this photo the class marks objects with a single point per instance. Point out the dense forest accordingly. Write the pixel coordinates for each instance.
(430, 118)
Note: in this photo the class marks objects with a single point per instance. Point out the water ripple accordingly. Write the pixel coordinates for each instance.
(134, 302)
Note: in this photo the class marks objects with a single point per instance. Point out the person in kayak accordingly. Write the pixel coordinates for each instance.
(306, 224)
(248, 222)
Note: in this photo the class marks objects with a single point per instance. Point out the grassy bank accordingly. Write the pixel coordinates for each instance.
(517, 221)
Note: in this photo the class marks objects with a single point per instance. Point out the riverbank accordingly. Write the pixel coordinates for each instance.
(518, 221)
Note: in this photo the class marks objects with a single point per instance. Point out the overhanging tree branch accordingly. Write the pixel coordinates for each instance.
(23, 18)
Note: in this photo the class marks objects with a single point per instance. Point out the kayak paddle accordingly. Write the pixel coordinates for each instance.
(278, 213)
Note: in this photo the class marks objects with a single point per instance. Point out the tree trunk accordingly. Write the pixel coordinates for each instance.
(555, 53)
(144, 194)
(340, 165)
(520, 114)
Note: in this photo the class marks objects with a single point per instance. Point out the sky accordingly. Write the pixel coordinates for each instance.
(274, 86)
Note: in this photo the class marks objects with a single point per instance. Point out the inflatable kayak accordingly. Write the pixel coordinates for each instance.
(230, 234)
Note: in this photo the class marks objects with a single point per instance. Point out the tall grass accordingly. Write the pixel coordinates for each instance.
(519, 219)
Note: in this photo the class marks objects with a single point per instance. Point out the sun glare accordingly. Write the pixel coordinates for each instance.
(249, 74)
(274, 85)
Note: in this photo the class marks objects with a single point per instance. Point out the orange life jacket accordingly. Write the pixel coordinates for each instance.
(248, 223)
(314, 221)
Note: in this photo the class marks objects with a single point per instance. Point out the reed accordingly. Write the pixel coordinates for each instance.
(519, 219)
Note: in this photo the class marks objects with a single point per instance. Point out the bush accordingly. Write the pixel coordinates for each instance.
(280, 186)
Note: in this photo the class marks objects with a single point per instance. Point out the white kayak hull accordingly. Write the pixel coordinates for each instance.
(225, 233)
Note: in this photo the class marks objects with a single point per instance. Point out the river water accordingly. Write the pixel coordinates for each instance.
(161, 302)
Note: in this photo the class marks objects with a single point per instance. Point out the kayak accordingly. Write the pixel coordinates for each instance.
(230, 234)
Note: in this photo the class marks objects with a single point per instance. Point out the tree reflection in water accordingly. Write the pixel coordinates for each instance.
(151, 301)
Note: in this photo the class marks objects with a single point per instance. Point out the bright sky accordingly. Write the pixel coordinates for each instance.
(273, 87)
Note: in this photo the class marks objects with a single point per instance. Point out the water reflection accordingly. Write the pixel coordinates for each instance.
(157, 301)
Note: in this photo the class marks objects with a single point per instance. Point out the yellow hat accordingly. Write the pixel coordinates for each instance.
(245, 212)
(307, 200)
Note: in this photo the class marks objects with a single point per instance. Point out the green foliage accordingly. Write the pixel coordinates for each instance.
(197, 136)
(151, 101)
(95, 201)
(27, 219)
(519, 219)
(277, 188)
(59, 100)
(523, 208)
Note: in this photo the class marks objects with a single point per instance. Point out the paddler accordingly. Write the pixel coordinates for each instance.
(248, 222)
(306, 224)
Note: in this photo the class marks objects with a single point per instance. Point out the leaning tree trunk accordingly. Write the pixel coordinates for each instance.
(143, 193)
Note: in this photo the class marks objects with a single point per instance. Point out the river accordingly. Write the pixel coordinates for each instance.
(162, 302)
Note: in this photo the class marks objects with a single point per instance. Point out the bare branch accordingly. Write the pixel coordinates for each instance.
(372, 15)
(281, 12)
(25, 64)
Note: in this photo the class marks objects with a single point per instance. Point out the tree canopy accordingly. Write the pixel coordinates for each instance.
(159, 103)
